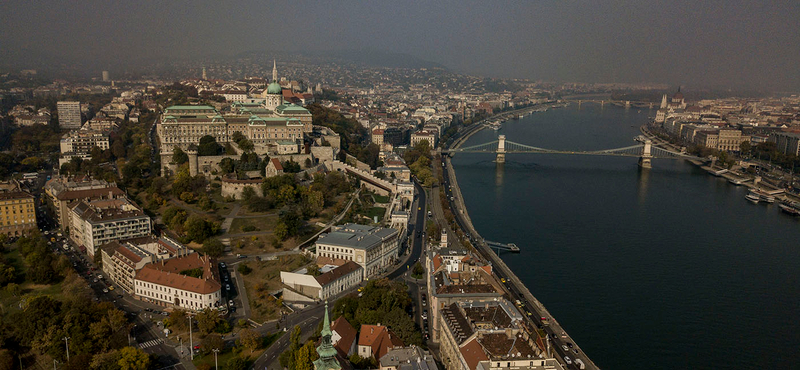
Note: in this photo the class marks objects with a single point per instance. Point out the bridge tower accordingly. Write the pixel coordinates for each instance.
(501, 149)
(647, 156)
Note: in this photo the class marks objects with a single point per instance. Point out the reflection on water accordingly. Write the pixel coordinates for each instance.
(498, 176)
(641, 189)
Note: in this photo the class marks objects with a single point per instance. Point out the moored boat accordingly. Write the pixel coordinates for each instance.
(792, 208)
(752, 198)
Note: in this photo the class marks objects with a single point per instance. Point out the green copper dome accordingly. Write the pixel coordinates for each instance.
(274, 88)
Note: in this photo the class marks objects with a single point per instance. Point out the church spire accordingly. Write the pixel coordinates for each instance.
(327, 354)
(274, 71)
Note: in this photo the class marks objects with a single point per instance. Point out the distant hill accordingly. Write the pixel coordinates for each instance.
(368, 57)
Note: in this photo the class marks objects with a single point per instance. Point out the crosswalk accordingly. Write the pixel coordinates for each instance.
(150, 343)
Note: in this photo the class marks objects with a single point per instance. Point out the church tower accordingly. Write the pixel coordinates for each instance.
(273, 97)
(327, 354)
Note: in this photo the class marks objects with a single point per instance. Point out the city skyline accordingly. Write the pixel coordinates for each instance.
(742, 44)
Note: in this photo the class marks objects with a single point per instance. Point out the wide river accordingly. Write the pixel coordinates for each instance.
(668, 268)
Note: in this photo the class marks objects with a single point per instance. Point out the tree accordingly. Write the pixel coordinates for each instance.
(178, 320)
(250, 339)
(244, 269)
(198, 229)
(248, 193)
(211, 342)
(213, 247)
(227, 165)
(208, 146)
(178, 156)
(236, 363)
(281, 231)
(133, 359)
(418, 269)
(237, 136)
(246, 145)
(304, 356)
(207, 320)
(14, 289)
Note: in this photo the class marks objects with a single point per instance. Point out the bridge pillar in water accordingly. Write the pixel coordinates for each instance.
(501, 149)
(627, 104)
(647, 156)
(602, 103)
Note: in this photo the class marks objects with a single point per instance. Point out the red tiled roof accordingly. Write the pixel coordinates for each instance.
(167, 273)
(123, 250)
(277, 164)
(369, 334)
(347, 333)
(473, 354)
(437, 261)
(178, 281)
(379, 338)
(337, 273)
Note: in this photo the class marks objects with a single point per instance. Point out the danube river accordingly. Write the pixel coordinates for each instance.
(668, 268)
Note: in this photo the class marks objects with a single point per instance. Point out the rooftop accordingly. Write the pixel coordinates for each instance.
(337, 273)
(356, 236)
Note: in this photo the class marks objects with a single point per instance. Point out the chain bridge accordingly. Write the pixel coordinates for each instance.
(644, 150)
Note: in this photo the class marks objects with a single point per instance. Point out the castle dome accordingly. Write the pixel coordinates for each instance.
(274, 88)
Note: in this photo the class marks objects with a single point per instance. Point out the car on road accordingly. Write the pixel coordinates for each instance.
(222, 264)
(230, 302)
(568, 360)
(570, 345)
(105, 290)
(94, 281)
(564, 346)
(227, 287)
(164, 313)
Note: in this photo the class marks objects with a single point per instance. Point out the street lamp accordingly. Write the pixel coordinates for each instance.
(216, 365)
(66, 341)
(191, 342)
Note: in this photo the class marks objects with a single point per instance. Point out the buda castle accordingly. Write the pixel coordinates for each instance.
(264, 119)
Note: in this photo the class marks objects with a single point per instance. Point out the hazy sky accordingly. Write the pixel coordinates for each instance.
(696, 43)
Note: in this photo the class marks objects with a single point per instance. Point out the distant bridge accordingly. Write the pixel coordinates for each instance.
(619, 103)
(644, 150)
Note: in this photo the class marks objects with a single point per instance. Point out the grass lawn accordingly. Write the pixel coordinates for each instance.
(376, 211)
(248, 355)
(256, 244)
(266, 223)
(9, 302)
(381, 198)
(266, 278)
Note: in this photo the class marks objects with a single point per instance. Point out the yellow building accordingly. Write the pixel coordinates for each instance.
(17, 213)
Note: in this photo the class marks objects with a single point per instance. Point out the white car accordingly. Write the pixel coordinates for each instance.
(568, 360)
(564, 346)
(105, 290)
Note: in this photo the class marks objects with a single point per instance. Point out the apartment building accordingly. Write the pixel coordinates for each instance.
(69, 114)
(17, 213)
(98, 222)
(373, 248)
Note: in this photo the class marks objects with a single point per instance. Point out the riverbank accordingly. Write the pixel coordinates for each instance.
(515, 287)
(734, 177)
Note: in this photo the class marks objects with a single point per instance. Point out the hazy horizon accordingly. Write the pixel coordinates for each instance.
(739, 44)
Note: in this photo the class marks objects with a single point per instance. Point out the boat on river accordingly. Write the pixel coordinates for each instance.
(792, 208)
(752, 198)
